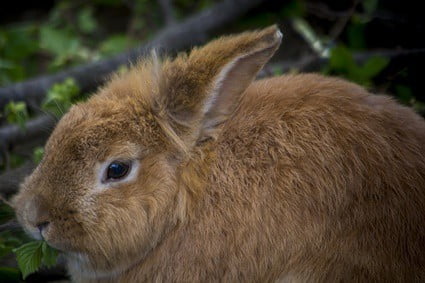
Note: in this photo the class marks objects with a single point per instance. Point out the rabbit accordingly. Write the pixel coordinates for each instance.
(188, 170)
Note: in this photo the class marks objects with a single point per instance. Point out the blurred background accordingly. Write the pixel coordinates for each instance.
(54, 53)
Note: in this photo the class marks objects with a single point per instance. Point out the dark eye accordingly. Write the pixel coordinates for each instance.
(117, 170)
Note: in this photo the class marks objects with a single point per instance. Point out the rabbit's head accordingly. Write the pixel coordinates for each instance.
(114, 179)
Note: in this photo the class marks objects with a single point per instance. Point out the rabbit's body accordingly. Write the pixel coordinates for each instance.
(306, 179)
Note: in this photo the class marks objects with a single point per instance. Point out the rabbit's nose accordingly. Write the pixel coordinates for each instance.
(42, 225)
(37, 213)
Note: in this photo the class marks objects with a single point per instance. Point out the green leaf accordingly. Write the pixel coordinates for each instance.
(374, 66)
(60, 97)
(115, 44)
(50, 255)
(58, 42)
(86, 22)
(418, 106)
(293, 9)
(18, 42)
(6, 64)
(16, 113)
(38, 154)
(29, 257)
(277, 71)
(404, 93)
(370, 6)
(406, 96)
(15, 160)
(4, 249)
(355, 35)
(341, 59)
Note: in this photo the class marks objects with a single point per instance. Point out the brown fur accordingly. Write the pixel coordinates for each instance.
(296, 178)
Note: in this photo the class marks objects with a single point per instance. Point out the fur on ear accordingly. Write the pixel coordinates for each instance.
(199, 91)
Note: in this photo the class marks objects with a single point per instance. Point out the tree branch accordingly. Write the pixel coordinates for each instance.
(312, 63)
(10, 180)
(193, 30)
(9, 225)
(12, 134)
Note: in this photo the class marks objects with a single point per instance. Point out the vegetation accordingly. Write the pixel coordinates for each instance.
(335, 42)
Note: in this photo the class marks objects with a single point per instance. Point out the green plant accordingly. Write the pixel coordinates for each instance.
(341, 62)
(37, 155)
(31, 256)
(61, 96)
(16, 113)
(18, 44)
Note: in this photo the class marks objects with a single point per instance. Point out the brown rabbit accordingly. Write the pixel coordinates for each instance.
(186, 171)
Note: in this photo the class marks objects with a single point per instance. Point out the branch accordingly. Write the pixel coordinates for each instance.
(313, 63)
(193, 30)
(12, 134)
(10, 225)
(9, 181)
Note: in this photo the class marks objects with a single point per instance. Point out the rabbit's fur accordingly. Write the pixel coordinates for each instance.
(298, 178)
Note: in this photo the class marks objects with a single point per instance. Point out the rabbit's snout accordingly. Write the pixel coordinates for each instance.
(37, 213)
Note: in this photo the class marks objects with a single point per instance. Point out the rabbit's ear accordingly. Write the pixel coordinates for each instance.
(199, 92)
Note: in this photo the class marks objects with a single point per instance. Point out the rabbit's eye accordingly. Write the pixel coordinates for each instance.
(117, 170)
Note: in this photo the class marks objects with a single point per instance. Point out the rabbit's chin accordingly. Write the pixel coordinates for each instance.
(82, 268)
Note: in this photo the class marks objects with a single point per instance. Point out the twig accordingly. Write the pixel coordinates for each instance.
(309, 35)
(193, 30)
(10, 180)
(4, 200)
(10, 225)
(12, 134)
(312, 63)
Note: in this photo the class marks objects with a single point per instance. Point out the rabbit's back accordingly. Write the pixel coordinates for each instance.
(331, 176)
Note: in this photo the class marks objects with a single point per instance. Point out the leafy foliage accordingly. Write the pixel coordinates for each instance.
(17, 45)
(16, 113)
(115, 44)
(60, 97)
(31, 256)
(86, 21)
(38, 154)
(341, 62)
